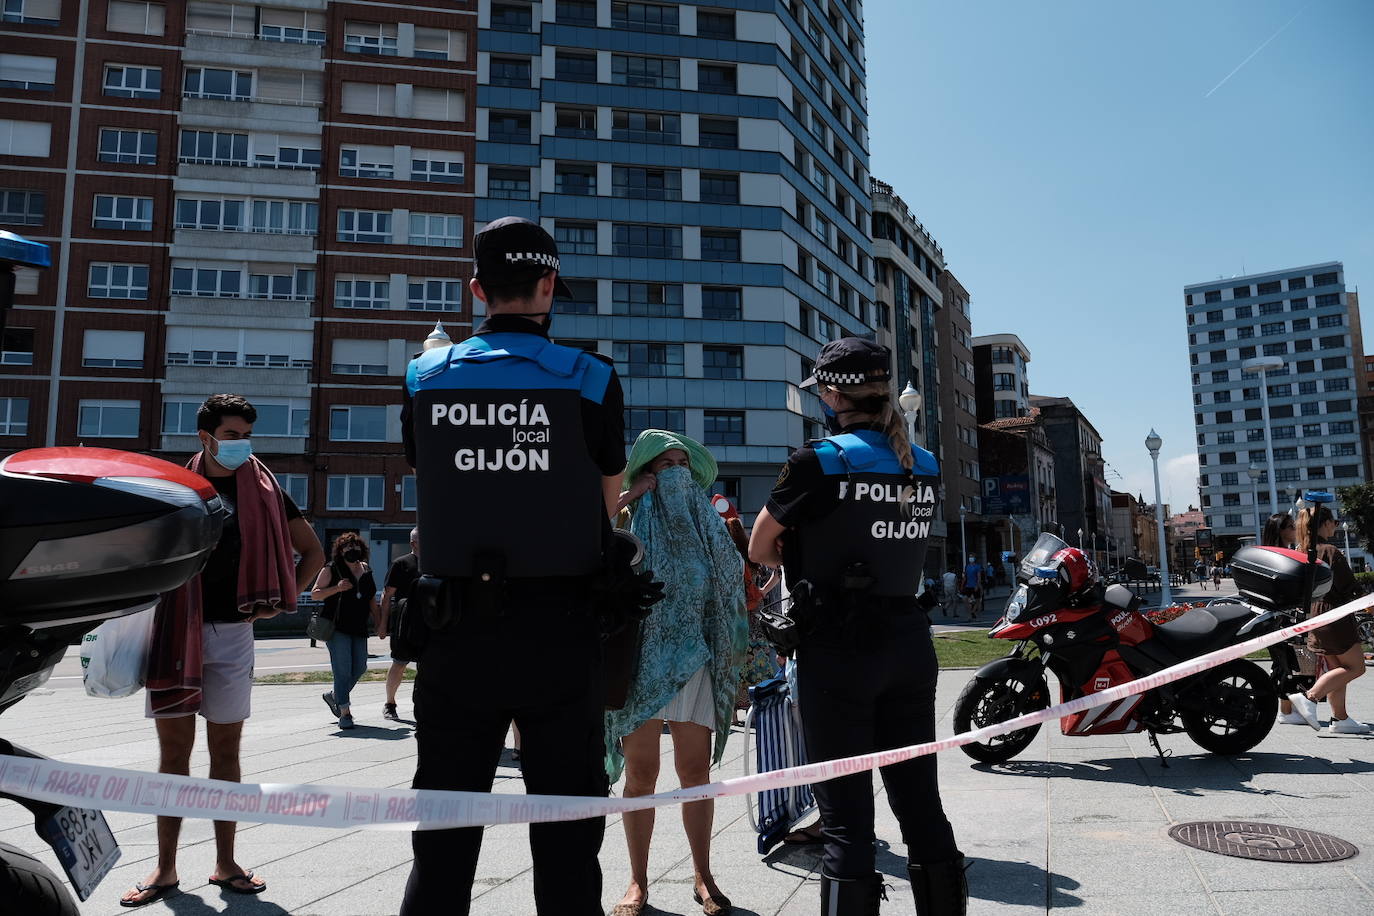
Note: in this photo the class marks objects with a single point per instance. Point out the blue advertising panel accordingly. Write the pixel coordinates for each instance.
(1008, 494)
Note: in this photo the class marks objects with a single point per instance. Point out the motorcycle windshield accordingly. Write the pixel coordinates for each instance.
(1045, 547)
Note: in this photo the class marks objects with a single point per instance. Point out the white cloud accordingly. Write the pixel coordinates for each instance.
(1178, 479)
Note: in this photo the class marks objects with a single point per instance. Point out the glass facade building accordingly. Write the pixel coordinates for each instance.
(704, 170)
(1302, 316)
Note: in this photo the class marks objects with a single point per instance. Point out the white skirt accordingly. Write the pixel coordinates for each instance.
(695, 702)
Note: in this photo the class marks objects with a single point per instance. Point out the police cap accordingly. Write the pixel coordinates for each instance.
(851, 361)
(512, 250)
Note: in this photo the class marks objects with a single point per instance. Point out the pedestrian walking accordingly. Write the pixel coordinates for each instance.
(1280, 531)
(349, 593)
(973, 587)
(1216, 577)
(866, 665)
(399, 578)
(518, 448)
(949, 597)
(201, 658)
(691, 649)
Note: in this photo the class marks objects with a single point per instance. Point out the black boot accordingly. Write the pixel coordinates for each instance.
(940, 888)
(851, 896)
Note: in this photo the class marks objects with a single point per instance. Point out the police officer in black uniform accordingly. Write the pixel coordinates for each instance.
(518, 448)
(848, 520)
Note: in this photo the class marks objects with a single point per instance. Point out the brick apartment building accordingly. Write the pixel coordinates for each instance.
(267, 199)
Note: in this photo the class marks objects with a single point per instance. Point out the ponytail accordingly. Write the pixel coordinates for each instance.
(1309, 520)
(874, 399)
(894, 425)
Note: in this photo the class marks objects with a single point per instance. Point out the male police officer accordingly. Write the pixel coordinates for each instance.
(518, 449)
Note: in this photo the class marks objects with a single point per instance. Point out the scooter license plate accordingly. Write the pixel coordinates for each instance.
(84, 845)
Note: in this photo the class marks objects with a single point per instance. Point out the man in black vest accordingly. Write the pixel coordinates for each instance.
(518, 446)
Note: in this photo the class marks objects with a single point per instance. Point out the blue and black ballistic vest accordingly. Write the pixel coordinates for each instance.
(501, 461)
(882, 519)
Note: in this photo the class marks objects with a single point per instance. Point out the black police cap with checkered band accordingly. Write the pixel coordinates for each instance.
(512, 250)
(851, 361)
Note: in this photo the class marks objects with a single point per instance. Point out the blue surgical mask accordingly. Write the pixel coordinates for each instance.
(232, 452)
(832, 420)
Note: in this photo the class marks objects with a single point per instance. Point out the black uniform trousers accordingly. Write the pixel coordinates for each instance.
(870, 686)
(536, 661)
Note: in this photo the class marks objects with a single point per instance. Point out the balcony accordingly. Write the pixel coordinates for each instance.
(202, 380)
(264, 247)
(222, 49)
(241, 178)
(240, 307)
(262, 445)
(253, 114)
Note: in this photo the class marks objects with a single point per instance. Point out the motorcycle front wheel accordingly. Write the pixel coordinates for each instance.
(986, 701)
(1238, 705)
(27, 886)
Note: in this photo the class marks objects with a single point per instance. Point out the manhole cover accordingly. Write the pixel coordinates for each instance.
(1267, 842)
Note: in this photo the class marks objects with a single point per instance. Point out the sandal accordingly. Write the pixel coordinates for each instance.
(240, 884)
(159, 891)
(714, 905)
(805, 836)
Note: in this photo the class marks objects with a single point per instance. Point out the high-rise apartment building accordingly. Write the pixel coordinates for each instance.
(999, 365)
(704, 170)
(1301, 318)
(269, 199)
(1082, 499)
(961, 471)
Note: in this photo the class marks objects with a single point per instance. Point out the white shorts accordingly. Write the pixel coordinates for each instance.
(227, 673)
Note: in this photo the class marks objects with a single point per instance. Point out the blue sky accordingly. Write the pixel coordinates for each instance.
(1069, 160)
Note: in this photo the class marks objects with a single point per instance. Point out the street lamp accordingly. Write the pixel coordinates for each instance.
(963, 538)
(910, 401)
(1253, 473)
(1154, 443)
(1263, 364)
(1345, 531)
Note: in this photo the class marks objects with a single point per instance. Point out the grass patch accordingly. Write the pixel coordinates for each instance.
(968, 649)
(371, 676)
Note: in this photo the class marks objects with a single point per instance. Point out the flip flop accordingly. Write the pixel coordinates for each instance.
(804, 836)
(240, 884)
(159, 891)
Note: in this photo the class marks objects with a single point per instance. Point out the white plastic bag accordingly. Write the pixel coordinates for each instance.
(114, 656)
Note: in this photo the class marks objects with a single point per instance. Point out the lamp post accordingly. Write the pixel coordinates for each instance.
(963, 537)
(1154, 443)
(1263, 364)
(910, 401)
(1253, 472)
(1345, 531)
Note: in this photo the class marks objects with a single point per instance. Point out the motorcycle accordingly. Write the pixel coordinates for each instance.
(1092, 637)
(86, 535)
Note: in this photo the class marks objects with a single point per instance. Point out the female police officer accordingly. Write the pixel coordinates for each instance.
(848, 520)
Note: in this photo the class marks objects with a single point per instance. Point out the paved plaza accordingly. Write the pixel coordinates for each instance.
(1074, 824)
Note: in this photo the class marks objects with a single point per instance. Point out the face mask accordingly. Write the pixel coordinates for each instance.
(832, 421)
(232, 452)
(674, 490)
(353, 555)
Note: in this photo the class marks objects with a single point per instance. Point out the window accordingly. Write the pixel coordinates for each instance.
(272, 151)
(441, 166)
(718, 133)
(575, 122)
(439, 104)
(1218, 356)
(1275, 349)
(1223, 375)
(1334, 342)
(365, 226)
(1298, 304)
(644, 72)
(1003, 381)
(1335, 362)
(1289, 453)
(515, 71)
(1247, 352)
(16, 347)
(357, 424)
(639, 419)
(646, 183)
(576, 12)
(583, 299)
(1216, 336)
(718, 188)
(408, 495)
(117, 281)
(134, 18)
(296, 486)
(574, 238)
(1302, 346)
(644, 17)
(1309, 408)
(723, 427)
(213, 148)
(1285, 432)
(440, 44)
(508, 184)
(722, 362)
(575, 178)
(1244, 311)
(1345, 470)
(1328, 279)
(1254, 435)
(206, 282)
(1281, 391)
(1226, 458)
(648, 300)
(1281, 411)
(367, 162)
(1337, 384)
(716, 78)
(1273, 327)
(287, 217)
(23, 208)
(1340, 449)
(511, 127)
(113, 211)
(125, 82)
(1232, 519)
(112, 349)
(716, 24)
(359, 357)
(1240, 292)
(377, 38)
(1230, 499)
(436, 230)
(1330, 321)
(652, 360)
(1314, 451)
(131, 147)
(1302, 324)
(368, 99)
(1328, 299)
(24, 71)
(1270, 308)
(577, 68)
(1341, 427)
(1286, 475)
(210, 83)
(638, 241)
(35, 12)
(646, 127)
(14, 412)
(357, 492)
(434, 295)
(107, 419)
(299, 27)
(1214, 315)
(354, 292)
(721, 303)
(299, 285)
(1228, 479)
(194, 213)
(724, 245)
(506, 17)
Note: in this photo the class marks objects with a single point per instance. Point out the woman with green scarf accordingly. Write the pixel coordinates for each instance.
(691, 647)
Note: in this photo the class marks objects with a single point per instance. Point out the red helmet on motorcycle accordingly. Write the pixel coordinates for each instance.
(1076, 569)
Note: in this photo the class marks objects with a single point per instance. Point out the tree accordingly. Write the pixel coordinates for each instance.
(1357, 503)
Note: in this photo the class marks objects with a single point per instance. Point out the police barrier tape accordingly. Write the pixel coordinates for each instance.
(139, 792)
